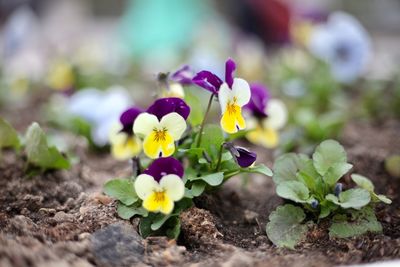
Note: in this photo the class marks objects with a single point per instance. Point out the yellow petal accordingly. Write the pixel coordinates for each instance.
(154, 145)
(151, 147)
(167, 146)
(158, 201)
(232, 119)
(268, 137)
(125, 150)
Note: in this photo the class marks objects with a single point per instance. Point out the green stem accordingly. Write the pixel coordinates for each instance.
(231, 174)
(204, 121)
(219, 157)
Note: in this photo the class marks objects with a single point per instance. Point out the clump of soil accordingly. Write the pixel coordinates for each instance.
(61, 218)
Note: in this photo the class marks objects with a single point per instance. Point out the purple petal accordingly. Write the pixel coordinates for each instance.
(164, 106)
(246, 158)
(163, 166)
(258, 101)
(183, 76)
(230, 67)
(128, 117)
(208, 81)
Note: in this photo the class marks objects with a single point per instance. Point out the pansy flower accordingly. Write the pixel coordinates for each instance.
(233, 94)
(344, 44)
(266, 117)
(161, 125)
(124, 144)
(242, 156)
(161, 185)
(174, 82)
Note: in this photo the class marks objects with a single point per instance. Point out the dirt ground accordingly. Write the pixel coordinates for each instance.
(62, 219)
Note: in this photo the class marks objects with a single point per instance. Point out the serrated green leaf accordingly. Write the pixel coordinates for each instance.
(287, 166)
(213, 179)
(335, 172)
(39, 153)
(284, 228)
(212, 140)
(293, 190)
(362, 221)
(352, 198)
(121, 189)
(8, 135)
(363, 182)
(127, 212)
(328, 153)
(260, 168)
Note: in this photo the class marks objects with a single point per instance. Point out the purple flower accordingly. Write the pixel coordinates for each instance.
(164, 106)
(164, 166)
(127, 119)
(258, 101)
(243, 157)
(212, 82)
(183, 75)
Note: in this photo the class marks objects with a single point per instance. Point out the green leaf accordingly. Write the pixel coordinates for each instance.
(212, 140)
(284, 228)
(195, 151)
(260, 168)
(308, 175)
(327, 154)
(196, 110)
(8, 135)
(335, 172)
(362, 221)
(159, 221)
(198, 188)
(382, 198)
(287, 166)
(326, 208)
(293, 190)
(392, 165)
(121, 189)
(39, 153)
(352, 198)
(213, 179)
(363, 182)
(127, 212)
(366, 184)
(174, 227)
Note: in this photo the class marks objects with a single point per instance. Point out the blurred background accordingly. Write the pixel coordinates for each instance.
(316, 61)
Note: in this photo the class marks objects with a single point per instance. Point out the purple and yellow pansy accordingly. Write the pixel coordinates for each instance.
(124, 144)
(161, 185)
(161, 125)
(232, 94)
(266, 117)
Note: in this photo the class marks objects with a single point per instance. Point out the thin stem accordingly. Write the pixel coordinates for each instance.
(204, 120)
(219, 157)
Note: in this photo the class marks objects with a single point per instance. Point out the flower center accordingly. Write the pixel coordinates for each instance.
(159, 196)
(231, 107)
(160, 135)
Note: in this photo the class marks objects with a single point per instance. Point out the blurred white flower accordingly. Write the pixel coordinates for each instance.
(101, 109)
(344, 44)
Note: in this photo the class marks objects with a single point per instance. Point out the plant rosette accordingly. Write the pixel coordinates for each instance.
(178, 156)
(313, 185)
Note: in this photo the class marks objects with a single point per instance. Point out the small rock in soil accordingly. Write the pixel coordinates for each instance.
(117, 245)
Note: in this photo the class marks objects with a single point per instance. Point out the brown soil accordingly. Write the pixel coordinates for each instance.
(62, 219)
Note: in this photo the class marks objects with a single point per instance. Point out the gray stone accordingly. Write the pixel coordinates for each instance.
(117, 245)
